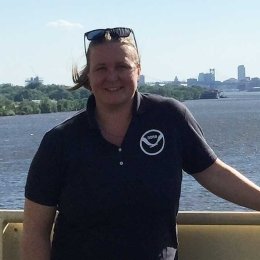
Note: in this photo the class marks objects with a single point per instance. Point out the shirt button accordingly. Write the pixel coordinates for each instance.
(121, 163)
(120, 149)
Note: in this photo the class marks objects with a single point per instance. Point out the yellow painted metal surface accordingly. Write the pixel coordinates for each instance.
(202, 235)
(11, 241)
(222, 242)
(11, 233)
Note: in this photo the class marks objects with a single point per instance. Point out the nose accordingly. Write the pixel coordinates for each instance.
(112, 74)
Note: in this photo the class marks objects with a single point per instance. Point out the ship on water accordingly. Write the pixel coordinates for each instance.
(211, 94)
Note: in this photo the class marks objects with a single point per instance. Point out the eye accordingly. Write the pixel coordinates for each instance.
(123, 67)
(100, 68)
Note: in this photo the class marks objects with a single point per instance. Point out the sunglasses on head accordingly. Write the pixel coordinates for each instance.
(115, 33)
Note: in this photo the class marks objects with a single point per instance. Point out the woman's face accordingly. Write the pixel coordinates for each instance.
(113, 73)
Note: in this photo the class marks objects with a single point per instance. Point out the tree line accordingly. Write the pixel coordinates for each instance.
(39, 98)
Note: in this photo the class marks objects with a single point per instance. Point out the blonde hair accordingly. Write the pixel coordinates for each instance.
(81, 78)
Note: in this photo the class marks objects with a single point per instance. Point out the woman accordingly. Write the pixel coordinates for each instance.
(114, 170)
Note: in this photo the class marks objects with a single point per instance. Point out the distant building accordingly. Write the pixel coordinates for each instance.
(141, 80)
(207, 79)
(32, 80)
(176, 81)
(241, 72)
(192, 82)
(230, 81)
(254, 84)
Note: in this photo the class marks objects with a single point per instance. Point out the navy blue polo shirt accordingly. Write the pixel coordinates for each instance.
(118, 202)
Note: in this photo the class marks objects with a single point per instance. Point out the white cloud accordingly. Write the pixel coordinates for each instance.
(62, 24)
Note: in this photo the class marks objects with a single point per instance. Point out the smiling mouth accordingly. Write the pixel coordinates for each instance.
(113, 89)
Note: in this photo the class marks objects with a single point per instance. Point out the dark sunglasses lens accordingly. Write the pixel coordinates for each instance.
(96, 34)
(115, 33)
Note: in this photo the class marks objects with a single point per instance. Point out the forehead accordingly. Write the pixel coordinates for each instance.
(112, 51)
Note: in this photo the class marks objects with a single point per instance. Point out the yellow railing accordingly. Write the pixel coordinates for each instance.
(202, 235)
(10, 237)
(219, 235)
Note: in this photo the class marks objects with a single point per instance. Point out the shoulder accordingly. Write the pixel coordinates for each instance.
(75, 121)
(164, 105)
(71, 126)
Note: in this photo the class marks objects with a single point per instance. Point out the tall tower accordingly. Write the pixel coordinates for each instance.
(241, 72)
(212, 73)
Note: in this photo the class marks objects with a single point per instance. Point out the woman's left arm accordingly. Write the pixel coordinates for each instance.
(227, 183)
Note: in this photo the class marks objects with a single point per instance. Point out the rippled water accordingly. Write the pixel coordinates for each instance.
(231, 126)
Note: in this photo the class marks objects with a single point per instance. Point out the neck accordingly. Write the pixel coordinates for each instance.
(114, 123)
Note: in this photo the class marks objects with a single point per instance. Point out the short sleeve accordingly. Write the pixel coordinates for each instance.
(43, 183)
(197, 154)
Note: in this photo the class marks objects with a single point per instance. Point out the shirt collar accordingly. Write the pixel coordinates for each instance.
(138, 108)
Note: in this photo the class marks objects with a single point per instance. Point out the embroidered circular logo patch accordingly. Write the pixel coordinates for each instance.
(152, 142)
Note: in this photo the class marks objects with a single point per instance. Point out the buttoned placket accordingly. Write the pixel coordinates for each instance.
(121, 163)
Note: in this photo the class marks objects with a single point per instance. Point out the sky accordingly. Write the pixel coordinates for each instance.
(175, 37)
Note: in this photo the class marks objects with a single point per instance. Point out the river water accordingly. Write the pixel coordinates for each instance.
(231, 126)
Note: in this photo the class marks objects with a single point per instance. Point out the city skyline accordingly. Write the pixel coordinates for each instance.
(202, 77)
(175, 37)
(241, 76)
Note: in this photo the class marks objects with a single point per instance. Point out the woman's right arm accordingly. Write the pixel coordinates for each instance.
(37, 226)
